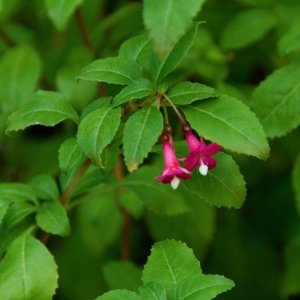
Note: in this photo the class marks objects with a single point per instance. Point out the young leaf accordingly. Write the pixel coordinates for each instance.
(17, 192)
(20, 69)
(117, 70)
(60, 11)
(45, 108)
(247, 27)
(187, 92)
(276, 101)
(160, 69)
(230, 123)
(156, 196)
(52, 217)
(169, 263)
(138, 89)
(153, 291)
(168, 20)
(140, 134)
(137, 48)
(290, 41)
(223, 185)
(69, 156)
(204, 287)
(119, 295)
(97, 130)
(296, 181)
(122, 275)
(22, 271)
(45, 187)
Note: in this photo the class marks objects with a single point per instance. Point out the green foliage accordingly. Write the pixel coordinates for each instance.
(290, 41)
(275, 101)
(296, 181)
(45, 108)
(45, 187)
(244, 133)
(21, 269)
(140, 134)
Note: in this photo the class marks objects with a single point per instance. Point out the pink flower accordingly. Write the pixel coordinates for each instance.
(172, 172)
(200, 155)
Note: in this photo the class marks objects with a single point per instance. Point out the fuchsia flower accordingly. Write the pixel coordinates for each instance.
(172, 172)
(200, 155)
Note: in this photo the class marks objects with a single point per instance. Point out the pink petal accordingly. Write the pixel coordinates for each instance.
(192, 160)
(212, 149)
(209, 161)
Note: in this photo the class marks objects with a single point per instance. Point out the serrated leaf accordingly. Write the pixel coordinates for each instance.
(17, 192)
(140, 134)
(290, 41)
(138, 89)
(46, 108)
(222, 186)
(169, 263)
(52, 217)
(20, 70)
(153, 291)
(45, 187)
(97, 130)
(187, 92)
(161, 68)
(276, 101)
(247, 27)
(296, 181)
(156, 196)
(122, 275)
(69, 156)
(119, 295)
(60, 11)
(136, 48)
(204, 287)
(230, 123)
(168, 20)
(117, 70)
(21, 270)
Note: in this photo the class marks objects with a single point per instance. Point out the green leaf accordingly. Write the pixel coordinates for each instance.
(136, 48)
(16, 192)
(52, 217)
(290, 41)
(45, 108)
(223, 185)
(119, 295)
(69, 156)
(20, 69)
(96, 104)
(3, 209)
(187, 92)
(296, 181)
(157, 197)
(45, 187)
(160, 69)
(247, 27)
(169, 263)
(230, 123)
(153, 291)
(140, 134)
(167, 20)
(22, 271)
(60, 11)
(117, 70)
(97, 130)
(276, 101)
(138, 89)
(204, 287)
(122, 275)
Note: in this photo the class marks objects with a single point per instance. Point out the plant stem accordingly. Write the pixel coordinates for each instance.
(180, 117)
(84, 34)
(166, 116)
(127, 222)
(44, 237)
(9, 42)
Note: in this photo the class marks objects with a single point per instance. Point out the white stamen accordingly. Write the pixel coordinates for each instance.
(175, 183)
(203, 169)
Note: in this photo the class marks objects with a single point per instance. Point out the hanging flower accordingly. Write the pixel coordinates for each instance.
(200, 155)
(172, 172)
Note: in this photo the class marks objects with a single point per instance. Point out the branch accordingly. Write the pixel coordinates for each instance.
(84, 34)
